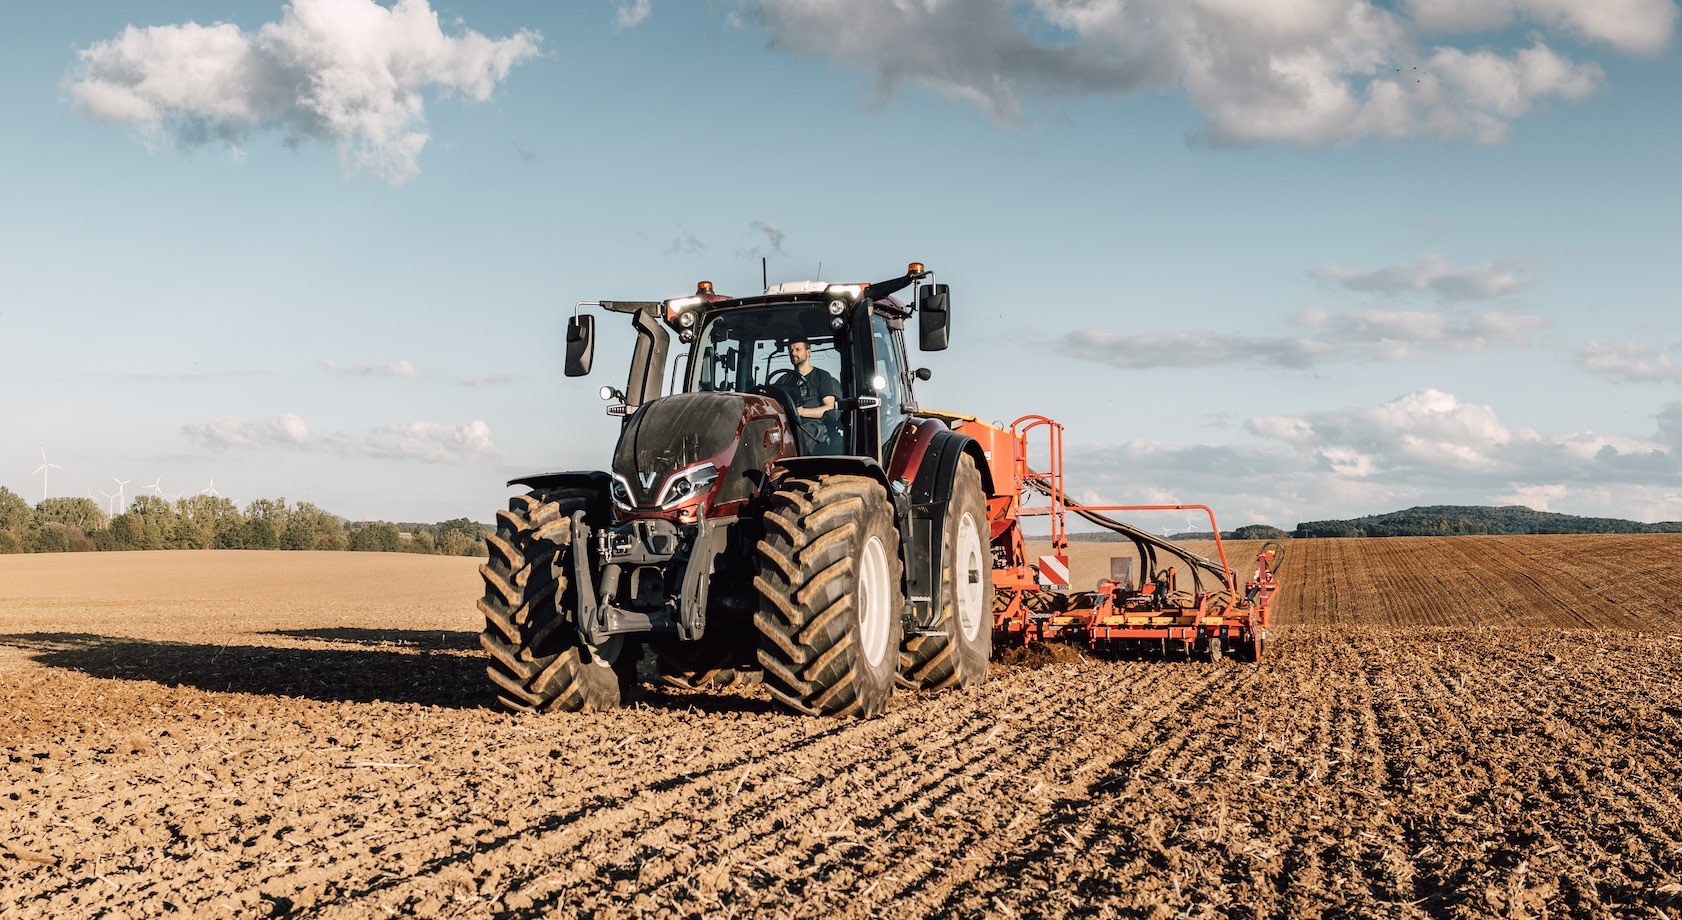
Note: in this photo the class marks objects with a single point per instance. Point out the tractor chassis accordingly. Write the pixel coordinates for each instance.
(652, 550)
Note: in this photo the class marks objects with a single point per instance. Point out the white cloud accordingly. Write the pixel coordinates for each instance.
(1670, 426)
(1635, 26)
(1364, 334)
(1430, 434)
(1189, 349)
(400, 369)
(350, 72)
(1423, 448)
(628, 14)
(430, 442)
(1539, 497)
(1634, 361)
(288, 430)
(1309, 72)
(1380, 332)
(1427, 428)
(1432, 274)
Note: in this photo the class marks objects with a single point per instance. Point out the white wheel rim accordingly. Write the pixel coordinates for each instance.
(968, 577)
(873, 596)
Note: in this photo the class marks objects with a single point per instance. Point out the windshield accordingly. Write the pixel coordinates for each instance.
(742, 349)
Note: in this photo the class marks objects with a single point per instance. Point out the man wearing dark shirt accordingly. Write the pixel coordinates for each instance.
(815, 397)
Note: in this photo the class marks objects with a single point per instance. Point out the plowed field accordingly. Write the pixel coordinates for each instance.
(1462, 727)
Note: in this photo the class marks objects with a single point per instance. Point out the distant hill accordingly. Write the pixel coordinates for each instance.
(1426, 521)
(1453, 520)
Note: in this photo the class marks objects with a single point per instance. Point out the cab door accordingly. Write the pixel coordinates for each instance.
(885, 378)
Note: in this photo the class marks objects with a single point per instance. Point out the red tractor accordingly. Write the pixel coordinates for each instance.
(788, 514)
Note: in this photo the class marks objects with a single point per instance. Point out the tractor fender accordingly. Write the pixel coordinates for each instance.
(926, 440)
(574, 479)
(932, 472)
(831, 466)
(931, 481)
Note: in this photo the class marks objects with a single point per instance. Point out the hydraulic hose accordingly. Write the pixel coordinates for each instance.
(1146, 542)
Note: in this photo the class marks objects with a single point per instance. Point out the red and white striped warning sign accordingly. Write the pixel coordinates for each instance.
(1054, 571)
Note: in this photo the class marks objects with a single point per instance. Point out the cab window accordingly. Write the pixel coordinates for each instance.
(745, 349)
(887, 381)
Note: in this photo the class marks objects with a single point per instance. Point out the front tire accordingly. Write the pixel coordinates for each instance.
(830, 593)
(537, 661)
(959, 657)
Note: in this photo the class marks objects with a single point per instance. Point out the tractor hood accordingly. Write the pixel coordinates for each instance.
(678, 447)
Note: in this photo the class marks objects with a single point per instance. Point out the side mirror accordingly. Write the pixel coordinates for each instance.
(934, 318)
(581, 344)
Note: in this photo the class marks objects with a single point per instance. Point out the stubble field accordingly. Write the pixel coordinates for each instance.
(1442, 727)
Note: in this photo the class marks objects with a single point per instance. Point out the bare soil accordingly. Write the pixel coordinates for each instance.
(1461, 727)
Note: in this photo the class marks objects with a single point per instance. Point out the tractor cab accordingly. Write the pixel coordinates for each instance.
(760, 350)
(855, 390)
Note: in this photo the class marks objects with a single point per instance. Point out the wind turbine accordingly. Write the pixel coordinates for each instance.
(211, 489)
(43, 469)
(109, 512)
(120, 483)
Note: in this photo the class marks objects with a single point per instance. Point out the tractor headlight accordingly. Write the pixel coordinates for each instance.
(678, 307)
(837, 307)
(680, 487)
(621, 494)
(686, 319)
(687, 484)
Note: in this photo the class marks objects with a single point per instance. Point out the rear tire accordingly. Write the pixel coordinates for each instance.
(958, 658)
(830, 594)
(537, 662)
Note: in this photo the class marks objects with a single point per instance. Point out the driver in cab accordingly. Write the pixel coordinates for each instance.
(815, 394)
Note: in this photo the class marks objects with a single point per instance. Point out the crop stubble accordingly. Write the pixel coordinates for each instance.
(1469, 726)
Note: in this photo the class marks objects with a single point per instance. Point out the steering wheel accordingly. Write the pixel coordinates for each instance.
(782, 396)
(781, 385)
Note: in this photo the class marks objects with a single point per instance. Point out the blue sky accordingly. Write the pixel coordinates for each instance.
(1294, 260)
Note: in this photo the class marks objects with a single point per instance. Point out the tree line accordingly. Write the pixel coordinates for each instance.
(71, 525)
(1459, 520)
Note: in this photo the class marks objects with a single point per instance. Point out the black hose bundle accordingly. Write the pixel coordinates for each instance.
(1147, 543)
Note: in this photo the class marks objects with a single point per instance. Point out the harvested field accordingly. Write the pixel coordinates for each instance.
(1476, 726)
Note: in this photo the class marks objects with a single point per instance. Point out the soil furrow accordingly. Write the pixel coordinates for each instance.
(1434, 732)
